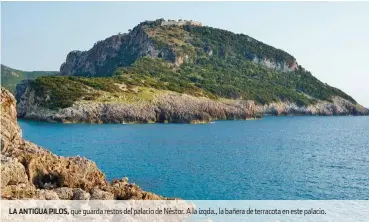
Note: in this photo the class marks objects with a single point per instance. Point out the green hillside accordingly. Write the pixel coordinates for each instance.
(228, 79)
(11, 77)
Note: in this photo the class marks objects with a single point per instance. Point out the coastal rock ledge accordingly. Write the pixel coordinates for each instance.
(168, 107)
(163, 107)
(29, 171)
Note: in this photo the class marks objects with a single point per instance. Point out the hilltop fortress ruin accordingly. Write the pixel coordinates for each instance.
(180, 22)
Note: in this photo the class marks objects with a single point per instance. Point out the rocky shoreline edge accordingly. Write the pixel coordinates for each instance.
(170, 107)
(163, 107)
(29, 171)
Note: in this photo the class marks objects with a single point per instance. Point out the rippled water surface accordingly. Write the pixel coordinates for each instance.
(272, 158)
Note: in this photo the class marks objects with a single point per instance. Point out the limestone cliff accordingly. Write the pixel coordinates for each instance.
(164, 106)
(116, 51)
(32, 172)
(338, 107)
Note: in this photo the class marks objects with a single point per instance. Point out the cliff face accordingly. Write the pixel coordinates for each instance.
(165, 106)
(338, 107)
(116, 51)
(31, 172)
(282, 65)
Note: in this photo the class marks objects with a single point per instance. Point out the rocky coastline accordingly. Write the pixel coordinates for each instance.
(29, 171)
(337, 107)
(167, 107)
(172, 107)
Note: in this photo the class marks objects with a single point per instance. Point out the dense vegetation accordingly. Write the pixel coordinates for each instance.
(197, 41)
(230, 78)
(227, 44)
(11, 77)
(65, 90)
(209, 77)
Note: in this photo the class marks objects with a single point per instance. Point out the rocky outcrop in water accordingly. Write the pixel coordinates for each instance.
(338, 107)
(29, 171)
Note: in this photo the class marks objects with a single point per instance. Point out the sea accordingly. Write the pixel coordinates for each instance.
(274, 158)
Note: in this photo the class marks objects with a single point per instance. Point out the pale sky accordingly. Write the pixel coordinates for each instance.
(330, 39)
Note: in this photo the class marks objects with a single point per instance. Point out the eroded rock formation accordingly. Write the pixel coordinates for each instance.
(337, 107)
(29, 171)
(165, 107)
(124, 49)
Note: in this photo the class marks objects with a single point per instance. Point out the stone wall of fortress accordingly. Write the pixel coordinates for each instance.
(181, 22)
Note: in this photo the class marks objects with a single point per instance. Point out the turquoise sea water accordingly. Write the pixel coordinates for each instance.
(273, 158)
